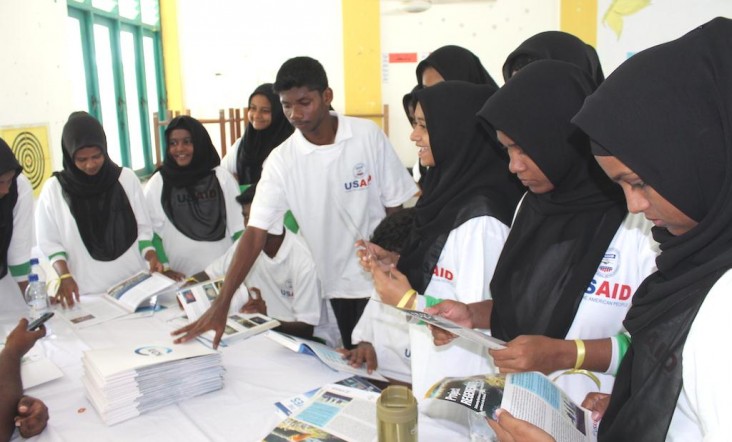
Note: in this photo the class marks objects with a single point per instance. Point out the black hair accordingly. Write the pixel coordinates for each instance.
(301, 72)
(247, 196)
(392, 232)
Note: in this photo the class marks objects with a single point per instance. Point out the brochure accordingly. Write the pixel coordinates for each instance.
(137, 293)
(468, 333)
(530, 396)
(335, 413)
(290, 405)
(197, 299)
(327, 355)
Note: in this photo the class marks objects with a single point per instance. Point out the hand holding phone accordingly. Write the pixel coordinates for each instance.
(35, 324)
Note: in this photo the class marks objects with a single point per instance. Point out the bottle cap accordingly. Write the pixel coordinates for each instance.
(32, 277)
(396, 405)
(34, 261)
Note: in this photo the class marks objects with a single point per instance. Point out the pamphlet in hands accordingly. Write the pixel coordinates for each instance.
(139, 291)
(336, 413)
(529, 396)
(197, 299)
(456, 329)
(327, 355)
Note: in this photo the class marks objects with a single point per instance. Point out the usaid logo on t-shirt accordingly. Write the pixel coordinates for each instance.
(361, 180)
(609, 264)
(286, 290)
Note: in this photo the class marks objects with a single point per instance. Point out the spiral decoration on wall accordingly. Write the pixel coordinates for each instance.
(29, 152)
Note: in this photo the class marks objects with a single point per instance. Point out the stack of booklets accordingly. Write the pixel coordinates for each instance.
(124, 382)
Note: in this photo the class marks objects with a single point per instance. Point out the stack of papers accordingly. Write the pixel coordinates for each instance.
(124, 382)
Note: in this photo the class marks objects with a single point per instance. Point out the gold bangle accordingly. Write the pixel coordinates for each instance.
(405, 299)
(580, 353)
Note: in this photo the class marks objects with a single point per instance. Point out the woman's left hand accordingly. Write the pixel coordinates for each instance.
(532, 353)
(510, 429)
(391, 284)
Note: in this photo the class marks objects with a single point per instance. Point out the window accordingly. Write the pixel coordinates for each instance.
(120, 74)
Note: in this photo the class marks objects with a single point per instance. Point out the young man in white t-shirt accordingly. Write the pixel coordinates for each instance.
(339, 176)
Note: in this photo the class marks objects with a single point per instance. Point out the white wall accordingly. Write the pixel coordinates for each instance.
(229, 47)
(35, 86)
(491, 29)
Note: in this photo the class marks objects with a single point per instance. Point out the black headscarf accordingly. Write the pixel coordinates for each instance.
(558, 238)
(470, 177)
(256, 145)
(456, 63)
(192, 197)
(8, 162)
(555, 45)
(98, 203)
(408, 102)
(666, 113)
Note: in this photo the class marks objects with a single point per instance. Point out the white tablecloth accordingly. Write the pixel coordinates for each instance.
(259, 373)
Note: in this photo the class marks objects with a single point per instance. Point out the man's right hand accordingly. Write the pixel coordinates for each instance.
(363, 353)
(32, 416)
(213, 319)
(20, 340)
(456, 312)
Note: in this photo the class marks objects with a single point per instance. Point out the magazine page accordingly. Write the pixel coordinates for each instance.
(196, 299)
(91, 310)
(530, 396)
(464, 332)
(133, 291)
(330, 357)
(336, 413)
(290, 405)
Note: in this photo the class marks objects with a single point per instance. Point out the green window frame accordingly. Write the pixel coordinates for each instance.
(131, 30)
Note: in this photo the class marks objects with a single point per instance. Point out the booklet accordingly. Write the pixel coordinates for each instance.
(327, 355)
(197, 299)
(456, 329)
(138, 293)
(336, 413)
(133, 291)
(36, 368)
(530, 396)
(290, 405)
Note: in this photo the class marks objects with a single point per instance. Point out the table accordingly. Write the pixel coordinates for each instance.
(259, 372)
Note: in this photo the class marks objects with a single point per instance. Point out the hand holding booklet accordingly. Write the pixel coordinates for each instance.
(464, 332)
(197, 299)
(122, 299)
(529, 396)
(330, 357)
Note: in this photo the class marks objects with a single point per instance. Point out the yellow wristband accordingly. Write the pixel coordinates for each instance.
(405, 299)
(192, 279)
(580, 353)
(64, 276)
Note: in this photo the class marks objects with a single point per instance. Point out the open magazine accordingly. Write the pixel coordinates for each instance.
(336, 413)
(135, 293)
(530, 396)
(290, 405)
(456, 329)
(327, 355)
(196, 299)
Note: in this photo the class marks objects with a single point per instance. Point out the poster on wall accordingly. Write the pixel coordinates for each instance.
(625, 27)
(30, 146)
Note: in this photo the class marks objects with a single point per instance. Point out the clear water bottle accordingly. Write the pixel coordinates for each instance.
(35, 268)
(36, 296)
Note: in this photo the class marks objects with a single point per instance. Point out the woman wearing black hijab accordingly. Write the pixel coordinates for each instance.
(452, 63)
(90, 219)
(555, 45)
(573, 258)
(460, 224)
(267, 129)
(671, 152)
(16, 223)
(192, 200)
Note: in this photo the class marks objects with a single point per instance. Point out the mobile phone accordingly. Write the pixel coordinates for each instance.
(34, 325)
